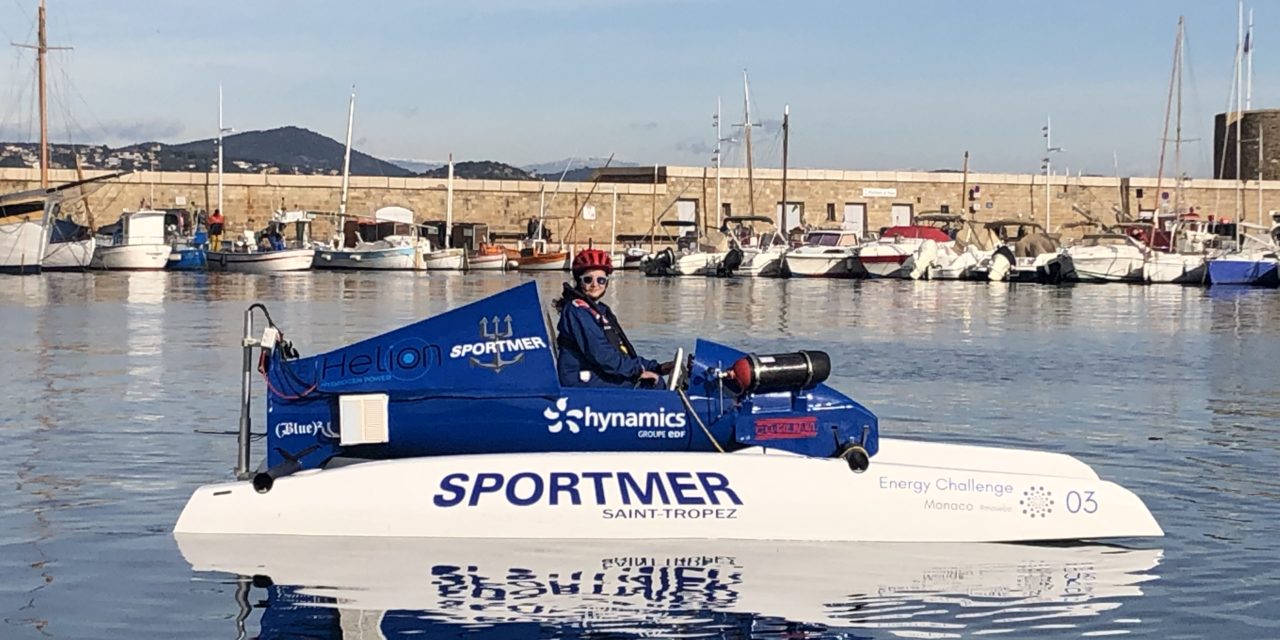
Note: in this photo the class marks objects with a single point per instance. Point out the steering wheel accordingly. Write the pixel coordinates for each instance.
(677, 371)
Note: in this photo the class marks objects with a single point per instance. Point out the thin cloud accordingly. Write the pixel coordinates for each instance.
(109, 133)
(643, 126)
(131, 132)
(695, 146)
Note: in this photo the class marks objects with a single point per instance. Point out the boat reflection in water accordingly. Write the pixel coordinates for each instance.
(390, 588)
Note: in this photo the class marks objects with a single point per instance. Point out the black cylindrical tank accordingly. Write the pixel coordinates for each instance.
(780, 371)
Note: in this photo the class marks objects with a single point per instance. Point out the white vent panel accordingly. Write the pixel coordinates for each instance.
(362, 419)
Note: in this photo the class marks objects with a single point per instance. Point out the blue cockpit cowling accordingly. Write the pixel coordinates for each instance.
(482, 379)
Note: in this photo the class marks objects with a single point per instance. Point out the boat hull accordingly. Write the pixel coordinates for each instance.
(884, 265)
(69, 256)
(1254, 273)
(1108, 268)
(545, 262)
(393, 259)
(912, 492)
(487, 262)
(265, 262)
(762, 264)
(803, 264)
(698, 264)
(1175, 268)
(22, 245)
(445, 260)
(131, 257)
(187, 259)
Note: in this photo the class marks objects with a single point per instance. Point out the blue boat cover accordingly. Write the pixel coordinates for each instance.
(495, 347)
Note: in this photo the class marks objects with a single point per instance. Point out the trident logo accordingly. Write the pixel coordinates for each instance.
(492, 329)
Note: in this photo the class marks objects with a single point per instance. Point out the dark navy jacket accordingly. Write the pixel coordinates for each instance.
(591, 344)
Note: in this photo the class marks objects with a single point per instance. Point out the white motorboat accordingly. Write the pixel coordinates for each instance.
(136, 242)
(245, 256)
(699, 459)
(630, 259)
(1108, 257)
(889, 255)
(693, 262)
(826, 253)
(598, 585)
(956, 260)
(1183, 247)
(762, 253)
(1026, 254)
(689, 257)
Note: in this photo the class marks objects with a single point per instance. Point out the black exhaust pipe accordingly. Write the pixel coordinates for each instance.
(264, 480)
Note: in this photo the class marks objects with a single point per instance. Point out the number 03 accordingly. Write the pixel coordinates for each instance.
(1078, 501)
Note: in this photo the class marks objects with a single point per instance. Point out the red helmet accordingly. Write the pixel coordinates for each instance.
(589, 259)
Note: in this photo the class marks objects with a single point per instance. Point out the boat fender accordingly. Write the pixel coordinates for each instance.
(264, 480)
(778, 372)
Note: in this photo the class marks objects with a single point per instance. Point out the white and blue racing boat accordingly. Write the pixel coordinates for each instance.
(456, 426)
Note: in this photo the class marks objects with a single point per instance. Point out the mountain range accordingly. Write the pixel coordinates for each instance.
(284, 150)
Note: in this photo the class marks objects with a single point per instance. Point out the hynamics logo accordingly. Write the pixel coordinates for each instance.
(570, 419)
(560, 417)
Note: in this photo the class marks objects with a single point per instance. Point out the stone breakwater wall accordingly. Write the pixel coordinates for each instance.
(870, 199)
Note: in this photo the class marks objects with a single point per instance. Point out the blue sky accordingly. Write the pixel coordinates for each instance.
(909, 84)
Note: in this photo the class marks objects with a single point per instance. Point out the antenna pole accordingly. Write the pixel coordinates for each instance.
(719, 139)
(786, 124)
(346, 158)
(746, 124)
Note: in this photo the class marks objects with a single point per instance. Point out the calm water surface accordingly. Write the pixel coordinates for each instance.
(1172, 392)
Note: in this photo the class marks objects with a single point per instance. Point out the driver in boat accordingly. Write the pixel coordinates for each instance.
(593, 349)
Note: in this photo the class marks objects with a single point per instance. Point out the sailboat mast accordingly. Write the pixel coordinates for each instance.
(1177, 127)
(346, 160)
(746, 123)
(1248, 52)
(448, 208)
(786, 128)
(42, 48)
(1174, 87)
(1239, 112)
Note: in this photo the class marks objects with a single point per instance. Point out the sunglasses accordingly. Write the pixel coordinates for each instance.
(600, 280)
